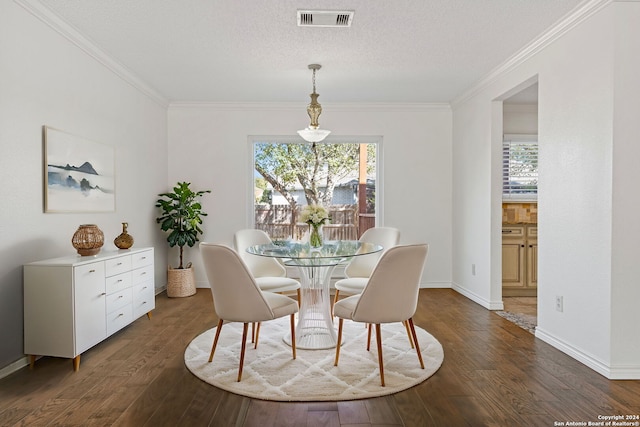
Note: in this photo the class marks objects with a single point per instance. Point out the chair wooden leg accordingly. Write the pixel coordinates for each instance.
(253, 331)
(215, 341)
(335, 300)
(299, 297)
(369, 337)
(245, 327)
(257, 334)
(293, 336)
(415, 340)
(379, 340)
(406, 326)
(335, 363)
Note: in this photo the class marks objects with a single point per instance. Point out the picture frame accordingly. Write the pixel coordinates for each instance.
(79, 174)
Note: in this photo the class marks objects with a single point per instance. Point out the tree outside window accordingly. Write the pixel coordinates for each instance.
(334, 175)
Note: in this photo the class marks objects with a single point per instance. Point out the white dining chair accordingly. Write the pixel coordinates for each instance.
(269, 274)
(357, 272)
(390, 296)
(237, 297)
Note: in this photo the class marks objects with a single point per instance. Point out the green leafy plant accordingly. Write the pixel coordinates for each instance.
(181, 216)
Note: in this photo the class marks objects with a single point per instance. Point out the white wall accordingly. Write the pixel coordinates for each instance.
(625, 295)
(416, 166)
(47, 80)
(579, 178)
(520, 119)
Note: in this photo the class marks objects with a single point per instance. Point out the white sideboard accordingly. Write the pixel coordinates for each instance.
(73, 303)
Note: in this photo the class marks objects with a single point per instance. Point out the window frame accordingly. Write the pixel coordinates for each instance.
(531, 139)
(331, 139)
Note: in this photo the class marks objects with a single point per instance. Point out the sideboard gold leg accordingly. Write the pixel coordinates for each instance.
(32, 360)
(149, 315)
(76, 363)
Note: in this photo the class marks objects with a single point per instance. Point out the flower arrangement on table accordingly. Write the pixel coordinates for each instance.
(315, 216)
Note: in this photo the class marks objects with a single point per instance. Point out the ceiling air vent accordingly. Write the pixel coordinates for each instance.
(325, 18)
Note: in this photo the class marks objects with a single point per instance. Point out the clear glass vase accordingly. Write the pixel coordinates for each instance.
(315, 235)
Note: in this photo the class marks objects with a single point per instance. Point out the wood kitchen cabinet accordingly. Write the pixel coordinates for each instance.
(519, 260)
(73, 303)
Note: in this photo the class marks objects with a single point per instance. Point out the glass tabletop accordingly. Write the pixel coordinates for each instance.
(332, 252)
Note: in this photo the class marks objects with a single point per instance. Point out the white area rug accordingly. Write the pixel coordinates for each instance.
(271, 374)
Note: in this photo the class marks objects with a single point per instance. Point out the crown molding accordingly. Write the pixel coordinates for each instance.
(572, 19)
(47, 16)
(296, 106)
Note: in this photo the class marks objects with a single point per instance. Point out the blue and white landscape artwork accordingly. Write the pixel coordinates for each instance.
(80, 174)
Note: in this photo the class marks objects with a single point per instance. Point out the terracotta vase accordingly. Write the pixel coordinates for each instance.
(124, 240)
(88, 239)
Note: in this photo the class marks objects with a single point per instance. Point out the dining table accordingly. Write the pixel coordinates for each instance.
(314, 329)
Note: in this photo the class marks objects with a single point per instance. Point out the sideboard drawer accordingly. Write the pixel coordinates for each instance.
(142, 259)
(118, 265)
(119, 318)
(142, 275)
(119, 299)
(116, 283)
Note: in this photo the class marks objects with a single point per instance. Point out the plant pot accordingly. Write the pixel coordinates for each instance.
(181, 282)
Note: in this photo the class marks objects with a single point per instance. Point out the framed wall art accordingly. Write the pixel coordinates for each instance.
(79, 174)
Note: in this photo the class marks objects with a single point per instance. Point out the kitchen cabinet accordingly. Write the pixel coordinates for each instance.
(73, 303)
(519, 260)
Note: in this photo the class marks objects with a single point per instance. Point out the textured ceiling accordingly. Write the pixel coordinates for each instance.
(242, 51)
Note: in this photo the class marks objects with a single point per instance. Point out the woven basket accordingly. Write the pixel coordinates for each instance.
(181, 282)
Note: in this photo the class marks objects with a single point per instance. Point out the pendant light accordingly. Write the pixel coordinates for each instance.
(313, 133)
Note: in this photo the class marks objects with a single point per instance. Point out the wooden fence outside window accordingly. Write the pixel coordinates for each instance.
(280, 222)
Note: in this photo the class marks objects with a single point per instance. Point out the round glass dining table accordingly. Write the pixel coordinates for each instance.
(315, 329)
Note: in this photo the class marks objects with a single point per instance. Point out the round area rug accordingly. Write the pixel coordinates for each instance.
(270, 373)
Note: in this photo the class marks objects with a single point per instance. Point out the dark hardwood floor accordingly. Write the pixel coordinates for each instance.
(494, 374)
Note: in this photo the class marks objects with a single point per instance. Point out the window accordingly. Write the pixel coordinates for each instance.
(288, 174)
(520, 167)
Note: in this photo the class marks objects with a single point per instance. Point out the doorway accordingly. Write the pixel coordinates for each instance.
(519, 203)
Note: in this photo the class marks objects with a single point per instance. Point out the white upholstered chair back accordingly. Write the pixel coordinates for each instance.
(362, 266)
(258, 265)
(392, 292)
(236, 296)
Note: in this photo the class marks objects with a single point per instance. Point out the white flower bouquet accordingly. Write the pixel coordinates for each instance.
(314, 215)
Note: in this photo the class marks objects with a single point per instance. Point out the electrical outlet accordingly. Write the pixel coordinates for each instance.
(473, 269)
(559, 303)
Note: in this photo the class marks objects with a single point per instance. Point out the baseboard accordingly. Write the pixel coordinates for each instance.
(609, 372)
(435, 285)
(14, 367)
(489, 305)
(624, 373)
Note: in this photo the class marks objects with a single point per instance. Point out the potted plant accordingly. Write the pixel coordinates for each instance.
(181, 217)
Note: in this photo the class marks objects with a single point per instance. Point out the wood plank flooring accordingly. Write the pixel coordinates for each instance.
(494, 374)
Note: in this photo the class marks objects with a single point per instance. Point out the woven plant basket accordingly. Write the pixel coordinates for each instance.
(181, 282)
